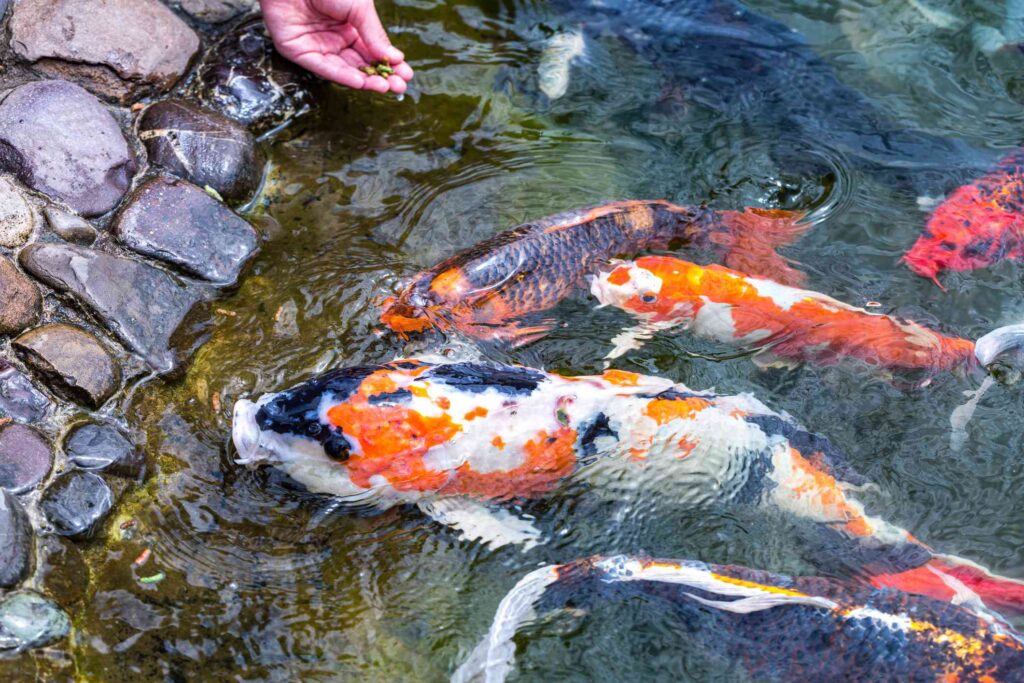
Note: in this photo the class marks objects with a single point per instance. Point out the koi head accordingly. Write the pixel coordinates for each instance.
(638, 288)
(1001, 353)
(430, 300)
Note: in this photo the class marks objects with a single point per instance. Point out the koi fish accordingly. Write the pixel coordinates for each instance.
(485, 290)
(977, 226)
(459, 439)
(790, 325)
(777, 628)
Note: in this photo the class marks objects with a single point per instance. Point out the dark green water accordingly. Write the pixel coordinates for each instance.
(266, 582)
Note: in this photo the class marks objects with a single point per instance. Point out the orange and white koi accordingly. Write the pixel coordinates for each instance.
(775, 627)
(486, 290)
(787, 324)
(458, 438)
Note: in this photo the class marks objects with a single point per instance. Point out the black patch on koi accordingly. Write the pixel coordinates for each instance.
(978, 249)
(597, 428)
(391, 397)
(406, 364)
(947, 245)
(809, 443)
(479, 377)
(675, 395)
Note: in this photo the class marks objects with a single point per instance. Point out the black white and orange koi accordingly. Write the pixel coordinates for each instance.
(775, 627)
(458, 438)
(485, 291)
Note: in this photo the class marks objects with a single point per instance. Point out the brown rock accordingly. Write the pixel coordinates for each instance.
(20, 301)
(25, 458)
(72, 361)
(69, 227)
(140, 43)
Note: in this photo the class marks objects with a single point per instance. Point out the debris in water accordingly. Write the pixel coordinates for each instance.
(142, 558)
(226, 312)
(213, 193)
(155, 578)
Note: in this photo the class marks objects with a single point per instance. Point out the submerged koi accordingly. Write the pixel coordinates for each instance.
(485, 290)
(775, 627)
(458, 438)
(979, 225)
(789, 324)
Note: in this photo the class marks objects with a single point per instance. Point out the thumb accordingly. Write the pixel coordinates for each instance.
(367, 23)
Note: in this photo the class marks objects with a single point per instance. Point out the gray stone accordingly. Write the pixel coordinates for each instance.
(92, 446)
(25, 458)
(58, 139)
(16, 216)
(71, 361)
(203, 147)
(15, 541)
(119, 48)
(20, 300)
(76, 503)
(29, 620)
(19, 398)
(175, 221)
(69, 227)
(217, 11)
(142, 305)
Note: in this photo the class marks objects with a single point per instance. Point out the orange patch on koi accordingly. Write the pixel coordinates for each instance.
(479, 411)
(823, 489)
(621, 378)
(664, 411)
(498, 443)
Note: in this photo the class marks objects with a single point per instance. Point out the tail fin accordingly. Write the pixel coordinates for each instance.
(751, 237)
(959, 581)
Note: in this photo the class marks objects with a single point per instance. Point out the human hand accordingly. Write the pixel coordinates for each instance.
(335, 39)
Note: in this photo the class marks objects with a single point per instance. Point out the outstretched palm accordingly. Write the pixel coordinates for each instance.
(336, 40)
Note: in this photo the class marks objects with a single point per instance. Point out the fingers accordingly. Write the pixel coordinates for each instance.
(372, 32)
(334, 68)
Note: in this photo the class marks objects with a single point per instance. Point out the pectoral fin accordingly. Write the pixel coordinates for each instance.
(494, 527)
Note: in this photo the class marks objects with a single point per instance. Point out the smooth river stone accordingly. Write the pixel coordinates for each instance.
(71, 361)
(118, 48)
(92, 446)
(202, 147)
(15, 541)
(25, 458)
(142, 305)
(177, 222)
(69, 227)
(29, 620)
(19, 398)
(20, 300)
(60, 140)
(76, 503)
(217, 11)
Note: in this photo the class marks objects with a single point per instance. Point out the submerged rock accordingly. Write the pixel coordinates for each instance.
(118, 48)
(72, 362)
(69, 227)
(92, 446)
(142, 305)
(217, 11)
(175, 221)
(19, 398)
(20, 300)
(29, 620)
(76, 503)
(244, 78)
(25, 458)
(58, 139)
(202, 147)
(16, 217)
(15, 541)
(62, 571)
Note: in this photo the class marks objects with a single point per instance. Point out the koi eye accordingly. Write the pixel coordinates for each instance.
(314, 428)
(648, 298)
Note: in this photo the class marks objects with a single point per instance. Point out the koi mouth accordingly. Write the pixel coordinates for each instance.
(245, 434)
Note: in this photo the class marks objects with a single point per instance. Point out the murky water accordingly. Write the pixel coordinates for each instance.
(267, 582)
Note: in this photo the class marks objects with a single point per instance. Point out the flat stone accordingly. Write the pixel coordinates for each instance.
(76, 503)
(175, 221)
(29, 620)
(20, 300)
(93, 446)
(119, 48)
(217, 11)
(244, 78)
(60, 140)
(16, 216)
(142, 305)
(203, 147)
(19, 398)
(69, 227)
(25, 458)
(71, 361)
(62, 571)
(15, 541)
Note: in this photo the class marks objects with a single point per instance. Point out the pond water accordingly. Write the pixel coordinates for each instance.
(267, 582)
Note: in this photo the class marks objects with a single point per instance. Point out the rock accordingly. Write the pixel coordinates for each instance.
(62, 570)
(92, 446)
(217, 11)
(20, 300)
(202, 147)
(69, 227)
(244, 78)
(16, 217)
(25, 458)
(58, 139)
(19, 398)
(76, 503)
(118, 48)
(29, 620)
(71, 361)
(177, 222)
(15, 541)
(141, 304)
